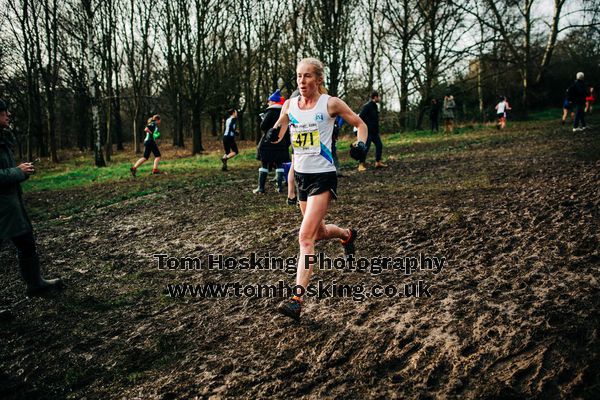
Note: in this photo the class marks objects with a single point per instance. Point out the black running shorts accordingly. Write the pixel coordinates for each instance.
(229, 144)
(150, 146)
(314, 184)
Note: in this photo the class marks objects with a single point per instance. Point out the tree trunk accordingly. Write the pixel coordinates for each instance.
(480, 90)
(197, 128)
(52, 126)
(404, 89)
(527, 56)
(98, 156)
(116, 102)
(180, 122)
(109, 142)
(136, 138)
(214, 123)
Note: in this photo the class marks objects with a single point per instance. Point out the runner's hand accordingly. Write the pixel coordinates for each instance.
(272, 135)
(358, 150)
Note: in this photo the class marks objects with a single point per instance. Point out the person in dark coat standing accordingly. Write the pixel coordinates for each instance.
(577, 94)
(272, 153)
(370, 116)
(434, 111)
(14, 222)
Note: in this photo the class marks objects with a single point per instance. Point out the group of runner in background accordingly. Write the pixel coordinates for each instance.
(579, 100)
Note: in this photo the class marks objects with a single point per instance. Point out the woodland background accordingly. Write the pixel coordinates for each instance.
(86, 74)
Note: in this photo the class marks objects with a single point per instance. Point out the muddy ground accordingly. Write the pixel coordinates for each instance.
(514, 313)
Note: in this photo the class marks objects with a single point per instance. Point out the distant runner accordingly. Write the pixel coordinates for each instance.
(150, 145)
(231, 149)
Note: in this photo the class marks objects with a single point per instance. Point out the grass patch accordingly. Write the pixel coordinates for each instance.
(72, 174)
(204, 169)
(546, 114)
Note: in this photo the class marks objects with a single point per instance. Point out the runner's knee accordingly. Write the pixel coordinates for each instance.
(306, 239)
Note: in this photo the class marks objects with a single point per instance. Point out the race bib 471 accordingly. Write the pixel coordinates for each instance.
(305, 138)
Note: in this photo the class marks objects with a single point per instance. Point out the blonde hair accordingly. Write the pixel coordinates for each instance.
(152, 119)
(319, 71)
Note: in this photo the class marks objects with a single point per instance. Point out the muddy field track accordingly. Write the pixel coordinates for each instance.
(514, 313)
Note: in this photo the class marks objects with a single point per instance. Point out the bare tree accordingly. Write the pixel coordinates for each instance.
(369, 44)
(139, 46)
(106, 54)
(522, 44)
(175, 20)
(402, 26)
(89, 10)
(333, 33)
(437, 48)
(202, 44)
(48, 63)
(25, 17)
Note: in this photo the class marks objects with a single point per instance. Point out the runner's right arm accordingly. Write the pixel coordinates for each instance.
(283, 121)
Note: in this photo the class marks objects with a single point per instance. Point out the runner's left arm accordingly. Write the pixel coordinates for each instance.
(337, 107)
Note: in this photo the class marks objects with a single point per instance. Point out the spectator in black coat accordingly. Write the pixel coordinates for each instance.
(272, 153)
(14, 221)
(370, 115)
(576, 94)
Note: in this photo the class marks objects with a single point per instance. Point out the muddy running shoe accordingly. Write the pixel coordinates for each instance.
(291, 308)
(224, 167)
(258, 191)
(133, 171)
(348, 244)
(362, 167)
(156, 172)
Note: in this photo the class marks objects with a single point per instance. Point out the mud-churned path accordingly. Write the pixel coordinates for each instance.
(512, 313)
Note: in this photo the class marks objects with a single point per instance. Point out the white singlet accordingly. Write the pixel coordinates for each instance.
(501, 107)
(311, 132)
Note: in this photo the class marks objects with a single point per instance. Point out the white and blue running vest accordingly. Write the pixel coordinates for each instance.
(311, 133)
(229, 127)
